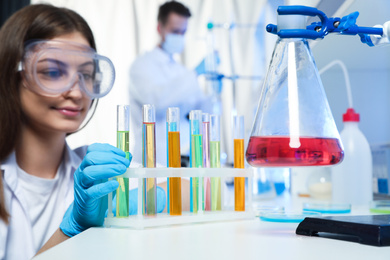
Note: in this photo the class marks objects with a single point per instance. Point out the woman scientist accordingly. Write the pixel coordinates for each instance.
(50, 76)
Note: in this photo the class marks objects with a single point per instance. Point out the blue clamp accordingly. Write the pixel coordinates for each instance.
(345, 25)
(300, 33)
(348, 21)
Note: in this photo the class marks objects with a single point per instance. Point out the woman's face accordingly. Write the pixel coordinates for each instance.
(63, 113)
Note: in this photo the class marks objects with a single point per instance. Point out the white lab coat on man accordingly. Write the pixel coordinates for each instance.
(157, 79)
(22, 238)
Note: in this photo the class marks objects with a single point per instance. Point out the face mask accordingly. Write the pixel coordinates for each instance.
(174, 43)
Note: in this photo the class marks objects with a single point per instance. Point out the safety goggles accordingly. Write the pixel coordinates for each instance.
(53, 67)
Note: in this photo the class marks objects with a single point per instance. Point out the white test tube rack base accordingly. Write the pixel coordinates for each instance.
(227, 213)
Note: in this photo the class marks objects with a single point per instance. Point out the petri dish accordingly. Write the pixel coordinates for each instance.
(380, 206)
(260, 210)
(328, 208)
(288, 217)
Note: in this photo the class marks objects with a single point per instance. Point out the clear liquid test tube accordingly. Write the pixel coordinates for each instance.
(239, 182)
(122, 142)
(215, 161)
(206, 139)
(206, 159)
(196, 157)
(149, 159)
(174, 160)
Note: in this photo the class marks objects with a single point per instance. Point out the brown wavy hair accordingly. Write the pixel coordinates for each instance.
(30, 23)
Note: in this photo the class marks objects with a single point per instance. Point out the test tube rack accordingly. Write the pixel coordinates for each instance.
(227, 212)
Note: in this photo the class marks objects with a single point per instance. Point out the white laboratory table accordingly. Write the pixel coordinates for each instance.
(247, 239)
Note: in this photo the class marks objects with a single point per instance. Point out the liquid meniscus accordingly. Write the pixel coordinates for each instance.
(276, 151)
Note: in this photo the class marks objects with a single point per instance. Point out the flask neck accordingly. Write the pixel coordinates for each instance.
(287, 40)
(287, 22)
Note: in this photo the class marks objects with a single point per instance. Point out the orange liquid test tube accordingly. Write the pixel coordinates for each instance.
(239, 182)
(174, 159)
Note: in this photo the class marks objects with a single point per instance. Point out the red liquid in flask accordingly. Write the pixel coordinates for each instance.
(276, 151)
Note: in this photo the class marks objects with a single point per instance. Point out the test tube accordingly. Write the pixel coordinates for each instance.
(149, 159)
(206, 159)
(191, 206)
(122, 142)
(206, 139)
(215, 161)
(239, 182)
(196, 155)
(174, 159)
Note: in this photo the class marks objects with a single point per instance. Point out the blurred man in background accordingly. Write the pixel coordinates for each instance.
(157, 78)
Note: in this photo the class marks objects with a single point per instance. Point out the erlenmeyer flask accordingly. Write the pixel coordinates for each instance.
(294, 125)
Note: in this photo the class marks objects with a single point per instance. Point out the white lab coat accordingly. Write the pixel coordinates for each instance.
(16, 238)
(155, 78)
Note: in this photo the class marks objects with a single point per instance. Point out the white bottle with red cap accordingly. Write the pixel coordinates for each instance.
(352, 178)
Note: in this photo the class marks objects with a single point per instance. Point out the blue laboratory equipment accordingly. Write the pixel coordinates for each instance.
(288, 217)
(343, 26)
(327, 208)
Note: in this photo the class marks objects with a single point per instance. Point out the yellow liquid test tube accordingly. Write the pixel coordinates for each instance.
(239, 182)
(149, 195)
(174, 160)
(122, 142)
(215, 161)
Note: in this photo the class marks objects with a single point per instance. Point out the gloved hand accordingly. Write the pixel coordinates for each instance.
(212, 59)
(216, 82)
(133, 201)
(101, 162)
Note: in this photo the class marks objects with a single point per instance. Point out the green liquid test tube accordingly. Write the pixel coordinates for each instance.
(122, 142)
(196, 155)
(215, 161)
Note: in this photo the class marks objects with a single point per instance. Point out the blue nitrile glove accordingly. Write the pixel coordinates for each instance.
(133, 201)
(101, 162)
(216, 82)
(214, 59)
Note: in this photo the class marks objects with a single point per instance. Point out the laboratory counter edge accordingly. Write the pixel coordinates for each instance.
(245, 239)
